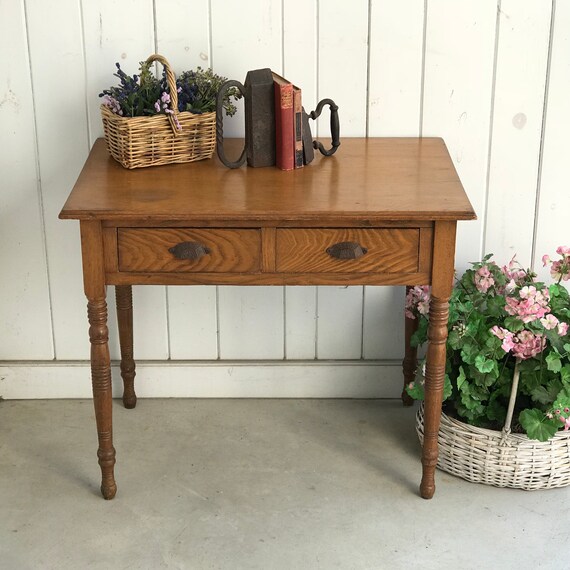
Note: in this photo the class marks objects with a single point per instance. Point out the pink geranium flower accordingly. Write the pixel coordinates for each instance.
(528, 345)
(532, 305)
(417, 299)
(523, 345)
(506, 336)
(565, 421)
(559, 269)
(483, 279)
(514, 272)
(549, 322)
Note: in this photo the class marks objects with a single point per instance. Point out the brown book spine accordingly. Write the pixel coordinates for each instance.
(284, 123)
(298, 126)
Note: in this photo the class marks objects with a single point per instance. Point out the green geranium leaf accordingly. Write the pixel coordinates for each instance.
(553, 362)
(514, 324)
(496, 411)
(495, 306)
(565, 373)
(546, 394)
(530, 381)
(461, 378)
(563, 395)
(483, 364)
(454, 340)
(537, 425)
(567, 346)
(562, 402)
(415, 391)
(492, 342)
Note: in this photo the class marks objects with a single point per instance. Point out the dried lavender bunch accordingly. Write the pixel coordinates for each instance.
(134, 96)
(143, 94)
(197, 92)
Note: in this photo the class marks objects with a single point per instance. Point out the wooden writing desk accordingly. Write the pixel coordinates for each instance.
(392, 204)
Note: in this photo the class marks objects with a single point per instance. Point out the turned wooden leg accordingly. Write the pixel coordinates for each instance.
(124, 299)
(435, 374)
(410, 362)
(102, 399)
(442, 281)
(94, 284)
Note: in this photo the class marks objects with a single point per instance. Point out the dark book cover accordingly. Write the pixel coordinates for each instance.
(260, 118)
(298, 126)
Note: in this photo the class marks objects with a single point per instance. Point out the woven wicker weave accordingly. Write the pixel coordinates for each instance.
(498, 458)
(136, 142)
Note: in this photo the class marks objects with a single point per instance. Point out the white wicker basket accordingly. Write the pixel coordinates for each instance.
(500, 458)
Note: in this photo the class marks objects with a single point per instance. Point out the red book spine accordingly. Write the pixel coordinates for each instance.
(284, 124)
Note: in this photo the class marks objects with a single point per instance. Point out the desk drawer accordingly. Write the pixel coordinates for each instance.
(381, 250)
(181, 250)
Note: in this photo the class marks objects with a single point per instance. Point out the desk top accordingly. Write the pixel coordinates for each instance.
(375, 179)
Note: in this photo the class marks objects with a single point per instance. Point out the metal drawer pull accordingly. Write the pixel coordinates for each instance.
(346, 250)
(189, 250)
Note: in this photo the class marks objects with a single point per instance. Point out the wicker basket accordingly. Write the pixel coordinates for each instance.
(500, 458)
(136, 142)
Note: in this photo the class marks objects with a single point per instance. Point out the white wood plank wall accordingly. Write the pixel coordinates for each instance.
(490, 76)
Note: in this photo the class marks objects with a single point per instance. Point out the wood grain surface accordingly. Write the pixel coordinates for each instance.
(388, 250)
(231, 250)
(367, 179)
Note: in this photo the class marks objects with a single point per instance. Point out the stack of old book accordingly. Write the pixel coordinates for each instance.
(274, 121)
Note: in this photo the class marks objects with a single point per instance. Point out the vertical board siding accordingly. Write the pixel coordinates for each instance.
(339, 323)
(183, 33)
(300, 322)
(479, 73)
(396, 56)
(524, 35)
(458, 82)
(123, 32)
(343, 63)
(192, 322)
(63, 145)
(25, 320)
(554, 199)
(251, 323)
(394, 105)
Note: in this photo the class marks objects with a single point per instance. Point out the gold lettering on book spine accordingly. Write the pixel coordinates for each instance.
(286, 99)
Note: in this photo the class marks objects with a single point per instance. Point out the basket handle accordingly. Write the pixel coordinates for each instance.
(514, 389)
(171, 81)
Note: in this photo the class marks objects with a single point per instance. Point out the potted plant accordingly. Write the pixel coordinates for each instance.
(507, 381)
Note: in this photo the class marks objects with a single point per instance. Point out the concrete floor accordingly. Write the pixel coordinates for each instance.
(254, 484)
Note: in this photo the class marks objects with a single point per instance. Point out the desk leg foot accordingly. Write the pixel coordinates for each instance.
(410, 362)
(124, 300)
(102, 394)
(427, 491)
(429, 462)
(435, 377)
